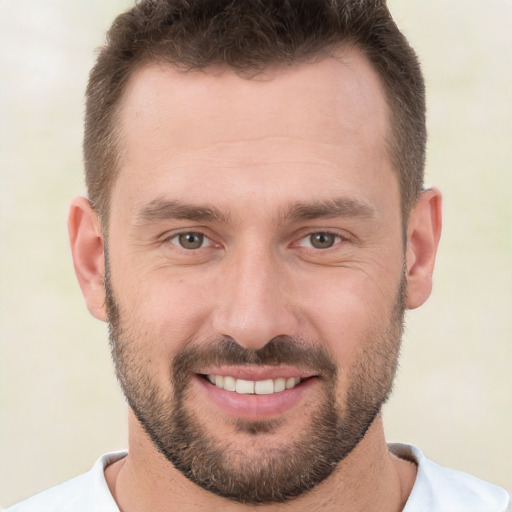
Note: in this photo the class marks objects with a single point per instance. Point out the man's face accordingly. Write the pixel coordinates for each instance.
(255, 271)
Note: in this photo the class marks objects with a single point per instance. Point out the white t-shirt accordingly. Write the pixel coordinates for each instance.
(436, 489)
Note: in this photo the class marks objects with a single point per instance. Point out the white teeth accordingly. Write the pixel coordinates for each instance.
(244, 387)
(264, 387)
(250, 387)
(291, 382)
(229, 383)
(279, 385)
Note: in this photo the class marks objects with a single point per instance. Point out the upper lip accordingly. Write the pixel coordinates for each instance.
(257, 373)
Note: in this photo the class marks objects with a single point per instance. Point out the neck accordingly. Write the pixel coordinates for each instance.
(370, 478)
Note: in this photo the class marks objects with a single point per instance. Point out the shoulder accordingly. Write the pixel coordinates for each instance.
(440, 489)
(85, 492)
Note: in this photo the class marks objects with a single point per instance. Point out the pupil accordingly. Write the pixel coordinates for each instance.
(322, 240)
(191, 240)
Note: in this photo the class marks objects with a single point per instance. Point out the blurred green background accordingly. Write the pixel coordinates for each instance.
(60, 407)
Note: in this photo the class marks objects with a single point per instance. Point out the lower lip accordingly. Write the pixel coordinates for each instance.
(255, 407)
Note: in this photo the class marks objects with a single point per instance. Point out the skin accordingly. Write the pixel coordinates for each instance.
(253, 149)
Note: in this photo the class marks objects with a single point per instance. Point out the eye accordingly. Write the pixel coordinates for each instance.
(320, 240)
(190, 240)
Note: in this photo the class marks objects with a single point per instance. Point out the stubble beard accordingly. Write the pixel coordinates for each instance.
(260, 474)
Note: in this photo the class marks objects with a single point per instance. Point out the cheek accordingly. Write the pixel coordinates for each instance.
(350, 311)
(160, 313)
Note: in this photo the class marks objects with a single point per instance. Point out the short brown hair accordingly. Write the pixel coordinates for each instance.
(246, 36)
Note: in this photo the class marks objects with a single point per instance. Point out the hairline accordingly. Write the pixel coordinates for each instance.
(118, 147)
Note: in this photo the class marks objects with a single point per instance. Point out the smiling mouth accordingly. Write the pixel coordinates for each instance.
(253, 387)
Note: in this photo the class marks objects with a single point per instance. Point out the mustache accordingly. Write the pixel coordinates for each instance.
(281, 350)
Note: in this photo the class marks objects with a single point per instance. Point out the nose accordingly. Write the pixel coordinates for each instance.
(252, 305)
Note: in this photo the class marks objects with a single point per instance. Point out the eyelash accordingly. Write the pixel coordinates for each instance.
(174, 239)
(308, 237)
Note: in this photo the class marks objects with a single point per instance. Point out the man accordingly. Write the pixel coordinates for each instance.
(256, 226)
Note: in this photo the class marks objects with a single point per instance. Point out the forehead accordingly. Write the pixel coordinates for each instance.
(278, 126)
(300, 99)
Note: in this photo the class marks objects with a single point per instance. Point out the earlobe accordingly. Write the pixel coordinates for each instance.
(423, 233)
(86, 240)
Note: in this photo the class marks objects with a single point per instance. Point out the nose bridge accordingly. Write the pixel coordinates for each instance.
(252, 307)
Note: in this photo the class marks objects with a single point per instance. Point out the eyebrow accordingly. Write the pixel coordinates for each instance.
(163, 209)
(328, 209)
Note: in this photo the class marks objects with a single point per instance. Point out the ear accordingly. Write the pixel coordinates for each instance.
(423, 233)
(86, 239)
